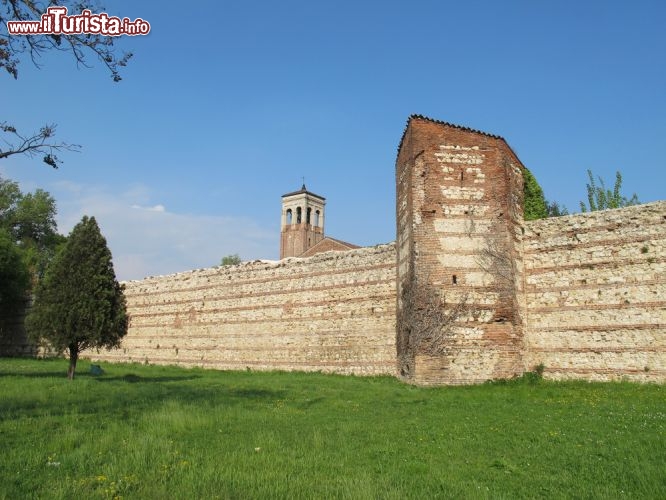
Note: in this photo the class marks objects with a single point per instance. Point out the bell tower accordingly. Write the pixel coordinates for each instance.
(302, 222)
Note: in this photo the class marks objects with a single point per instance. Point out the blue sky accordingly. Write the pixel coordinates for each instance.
(226, 105)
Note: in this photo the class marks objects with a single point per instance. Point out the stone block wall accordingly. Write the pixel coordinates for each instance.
(334, 312)
(595, 290)
(584, 295)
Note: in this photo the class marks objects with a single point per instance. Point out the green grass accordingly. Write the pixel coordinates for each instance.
(164, 432)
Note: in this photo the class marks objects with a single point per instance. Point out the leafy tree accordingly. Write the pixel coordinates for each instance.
(30, 220)
(79, 304)
(554, 209)
(535, 206)
(10, 194)
(13, 48)
(14, 276)
(231, 260)
(601, 198)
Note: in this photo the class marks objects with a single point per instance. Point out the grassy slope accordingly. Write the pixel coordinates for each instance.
(164, 432)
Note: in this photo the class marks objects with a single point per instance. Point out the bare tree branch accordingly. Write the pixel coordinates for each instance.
(39, 143)
(81, 46)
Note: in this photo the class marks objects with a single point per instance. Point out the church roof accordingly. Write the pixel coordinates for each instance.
(304, 190)
(328, 244)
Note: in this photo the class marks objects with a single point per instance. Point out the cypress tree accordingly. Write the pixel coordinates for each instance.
(79, 304)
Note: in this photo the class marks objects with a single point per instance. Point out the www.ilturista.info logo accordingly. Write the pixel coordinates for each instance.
(55, 21)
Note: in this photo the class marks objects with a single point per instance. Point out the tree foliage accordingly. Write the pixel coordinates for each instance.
(231, 260)
(554, 209)
(15, 48)
(535, 206)
(79, 304)
(28, 240)
(29, 219)
(601, 198)
(14, 276)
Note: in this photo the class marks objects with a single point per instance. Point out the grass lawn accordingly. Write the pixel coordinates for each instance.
(164, 432)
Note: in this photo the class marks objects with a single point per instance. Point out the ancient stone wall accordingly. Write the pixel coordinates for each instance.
(582, 295)
(334, 312)
(595, 289)
(457, 190)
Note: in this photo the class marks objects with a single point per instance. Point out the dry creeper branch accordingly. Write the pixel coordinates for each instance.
(426, 321)
(497, 261)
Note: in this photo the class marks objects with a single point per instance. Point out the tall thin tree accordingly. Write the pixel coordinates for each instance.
(601, 198)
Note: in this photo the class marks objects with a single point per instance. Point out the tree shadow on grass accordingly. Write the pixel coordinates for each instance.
(194, 393)
(129, 396)
(58, 374)
(135, 379)
(130, 378)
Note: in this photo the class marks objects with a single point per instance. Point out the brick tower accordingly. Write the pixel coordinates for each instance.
(302, 222)
(459, 235)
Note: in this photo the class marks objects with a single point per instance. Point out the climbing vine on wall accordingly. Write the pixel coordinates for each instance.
(426, 321)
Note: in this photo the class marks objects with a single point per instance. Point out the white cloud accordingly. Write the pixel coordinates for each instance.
(146, 239)
(156, 208)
